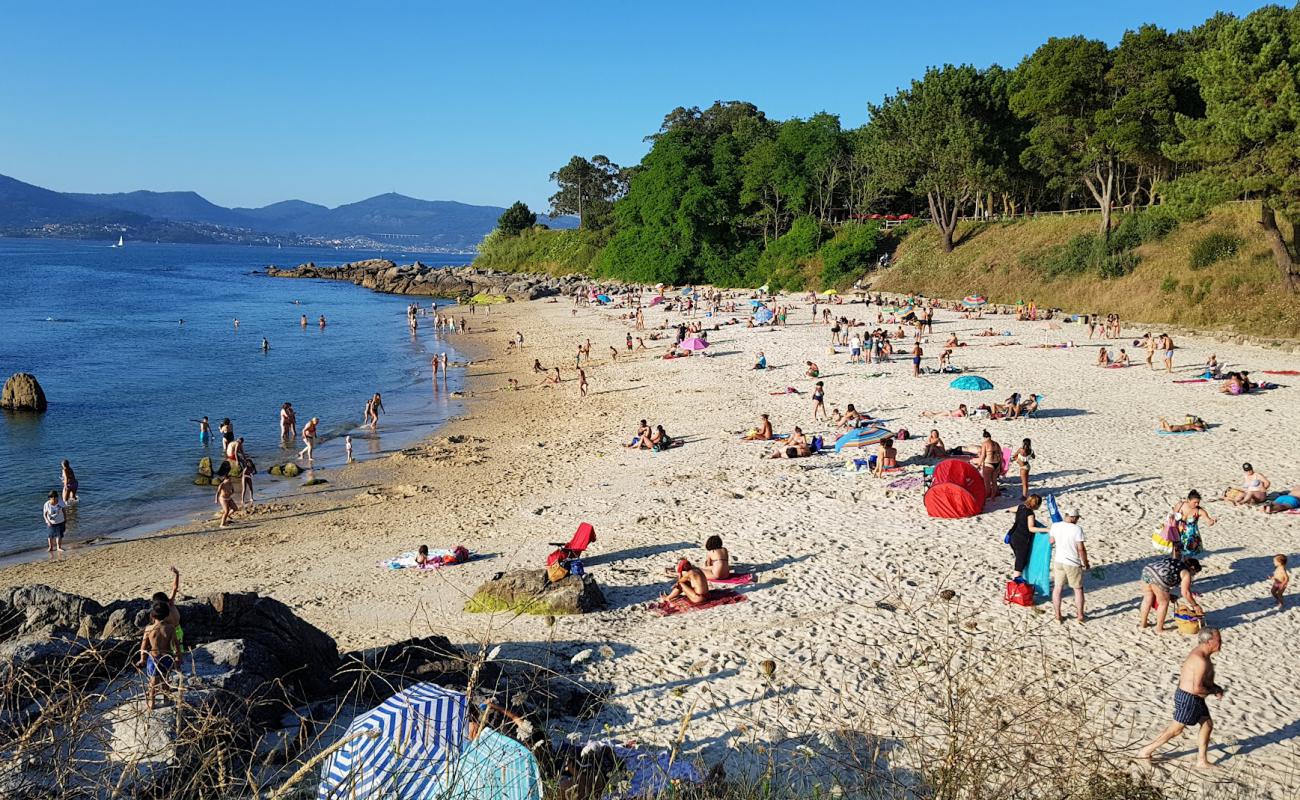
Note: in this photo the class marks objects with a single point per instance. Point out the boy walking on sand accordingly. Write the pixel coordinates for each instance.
(1281, 579)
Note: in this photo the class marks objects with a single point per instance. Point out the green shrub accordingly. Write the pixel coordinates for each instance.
(851, 251)
(781, 263)
(1215, 247)
(1169, 284)
(1075, 257)
(1148, 225)
(1118, 264)
(541, 250)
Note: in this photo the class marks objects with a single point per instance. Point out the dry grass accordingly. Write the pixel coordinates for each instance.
(1241, 294)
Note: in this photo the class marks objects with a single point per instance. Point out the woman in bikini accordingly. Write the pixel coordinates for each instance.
(795, 447)
(886, 457)
(1022, 457)
(225, 495)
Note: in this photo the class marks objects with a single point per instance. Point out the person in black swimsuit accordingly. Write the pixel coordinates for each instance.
(1022, 532)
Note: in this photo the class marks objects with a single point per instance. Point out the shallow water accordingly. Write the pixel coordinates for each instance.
(126, 380)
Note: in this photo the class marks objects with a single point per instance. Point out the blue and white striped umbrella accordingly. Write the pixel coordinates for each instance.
(400, 749)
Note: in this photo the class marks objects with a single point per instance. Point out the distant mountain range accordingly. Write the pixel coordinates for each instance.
(390, 220)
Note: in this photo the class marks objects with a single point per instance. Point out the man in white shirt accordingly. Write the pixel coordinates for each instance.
(55, 521)
(1069, 560)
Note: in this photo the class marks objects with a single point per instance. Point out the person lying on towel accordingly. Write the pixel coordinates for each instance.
(691, 584)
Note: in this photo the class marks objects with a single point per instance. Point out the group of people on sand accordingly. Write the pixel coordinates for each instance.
(692, 581)
(651, 438)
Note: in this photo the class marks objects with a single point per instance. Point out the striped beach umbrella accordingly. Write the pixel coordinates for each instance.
(400, 749)
(974, 300)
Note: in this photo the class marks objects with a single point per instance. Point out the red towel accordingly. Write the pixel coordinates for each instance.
(1282, 372)
(680, 605)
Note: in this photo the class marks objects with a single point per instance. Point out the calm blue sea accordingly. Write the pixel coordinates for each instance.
(101, 329)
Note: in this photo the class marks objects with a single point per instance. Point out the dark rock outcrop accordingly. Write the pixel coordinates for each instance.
(22, 392)
(528, 591)
(417, 279)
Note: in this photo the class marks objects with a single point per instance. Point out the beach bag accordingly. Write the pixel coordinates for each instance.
(1189, 623)
(557, 572)
(1019, 593)
(816, 443)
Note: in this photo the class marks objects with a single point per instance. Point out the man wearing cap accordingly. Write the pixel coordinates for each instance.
(1069, 560)
(691, 583)
(55, 521)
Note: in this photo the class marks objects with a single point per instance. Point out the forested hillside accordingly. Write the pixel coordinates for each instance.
(1152, 133)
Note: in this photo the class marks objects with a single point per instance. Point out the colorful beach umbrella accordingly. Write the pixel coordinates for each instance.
(974, 300)
(763, 315)
(694, 343)
(971, 383)
(398, 749)
(654, 301)
(604, 298)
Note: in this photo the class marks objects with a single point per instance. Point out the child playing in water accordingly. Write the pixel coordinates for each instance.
(1281, 579)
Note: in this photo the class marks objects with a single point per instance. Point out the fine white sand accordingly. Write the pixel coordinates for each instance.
(850, 570)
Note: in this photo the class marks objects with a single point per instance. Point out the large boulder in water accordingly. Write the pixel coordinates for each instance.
(22, 392)
(527, 591)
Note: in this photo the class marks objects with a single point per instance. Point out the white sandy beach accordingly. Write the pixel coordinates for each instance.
(850, 571)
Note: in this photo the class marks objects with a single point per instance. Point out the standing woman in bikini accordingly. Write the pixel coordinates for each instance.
(1022, 457)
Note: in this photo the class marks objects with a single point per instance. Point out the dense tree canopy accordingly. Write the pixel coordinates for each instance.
(515, 219)
(730, 196)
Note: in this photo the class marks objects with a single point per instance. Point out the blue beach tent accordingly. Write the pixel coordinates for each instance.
(493, 767)
(400, 749)
(604, 298)
(971, 383)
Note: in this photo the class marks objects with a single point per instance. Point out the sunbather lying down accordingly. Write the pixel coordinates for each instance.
(1191, 423)
(691, 584)
(796, 446)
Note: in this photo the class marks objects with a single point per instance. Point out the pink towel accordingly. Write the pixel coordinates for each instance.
(737, 579)
(680, 605)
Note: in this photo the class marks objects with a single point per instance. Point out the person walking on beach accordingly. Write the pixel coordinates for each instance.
(1195, 683)
(225, 497)
(309, 440)
(917, 352)
(56, 522)
(1167, 344)
(288, 423)
(582, 382)
(69, 482)
(1069, 560)
(1023, 456)
(819, 401)
(347, 447)
(373, 406)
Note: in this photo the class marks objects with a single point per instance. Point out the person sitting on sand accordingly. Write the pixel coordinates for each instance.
(422, 559)
(1029, 406)
(813, 370)
(796, 446)
(1193, 423)
(987, 332)
(1212, 366)
(642, 438)
(1254, 488)
(851, 417)
(763, 433)
(886, 457)
(1235, 384)
(691, 584)
(761, 361)
(660, 440)
(934, 446)
(537, 366)
(1159, 579)
(1122, 361)
(953, 342)
(959, 413)
(1287, 501)
(717, 564)
(1103, 358)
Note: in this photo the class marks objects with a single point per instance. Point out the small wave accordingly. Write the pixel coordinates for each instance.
(57, 319)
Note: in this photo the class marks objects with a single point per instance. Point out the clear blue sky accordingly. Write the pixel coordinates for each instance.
(253, 102)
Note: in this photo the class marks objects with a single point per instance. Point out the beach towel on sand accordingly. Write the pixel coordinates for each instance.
(736, 579)
(437, 558)
(680, 605)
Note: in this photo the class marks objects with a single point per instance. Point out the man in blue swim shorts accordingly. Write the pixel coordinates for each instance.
(156, 651)
(1195, 683)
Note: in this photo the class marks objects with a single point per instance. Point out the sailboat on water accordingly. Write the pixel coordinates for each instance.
(120, 243)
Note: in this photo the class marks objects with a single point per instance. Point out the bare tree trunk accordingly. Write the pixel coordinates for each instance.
(1102, 187)
(944, 213)
(1282, 255)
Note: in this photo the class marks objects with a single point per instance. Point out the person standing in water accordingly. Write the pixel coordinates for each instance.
(309, 440)
(205, 431)
(373, 407)
(303, 321)
(56, 523)
(288, 423)
(322, 322)
(69, 483)
(266, 346)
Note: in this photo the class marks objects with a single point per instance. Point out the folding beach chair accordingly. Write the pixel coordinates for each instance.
(576, 545)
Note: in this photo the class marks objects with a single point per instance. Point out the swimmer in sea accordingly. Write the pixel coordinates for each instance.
(205, 432)
(265, 345)
(322, 322)
(303, 321)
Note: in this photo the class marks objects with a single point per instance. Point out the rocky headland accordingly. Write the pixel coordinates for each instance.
(383, 275)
